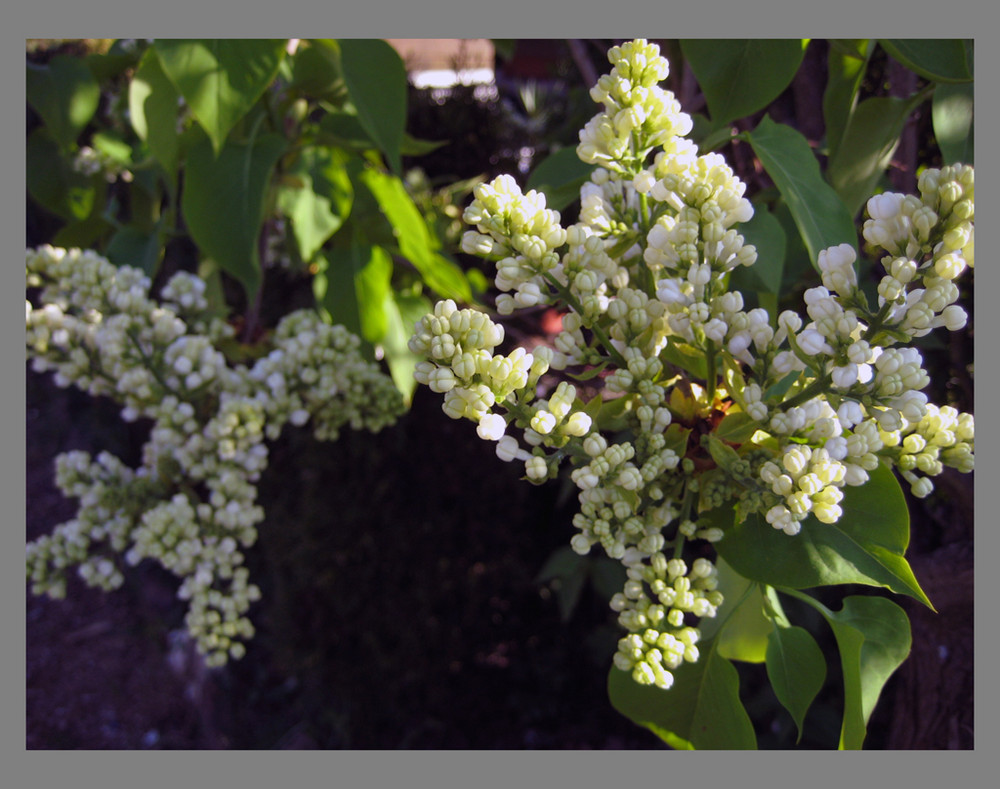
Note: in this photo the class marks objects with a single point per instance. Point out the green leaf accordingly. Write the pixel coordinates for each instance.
(224, 199)
(820, 215)
(952, 117)
(354, 288)
(846, 66)
(402, 312)
(83, 233)
(316, 71)
(569, 569)
(55, 185)
(559, 177)
(765, 233)
(741, 76)
(685, 357)
(317, 195)
(416, 243)
(937, 59)
(736, 427)
(152, 103)
(866, 546)
(741, 628)
(220, 79)
(376, 80)
(873, 637)
(133, 247)
(65, 94)
(869, 140)
(701, 711)
(796, 669)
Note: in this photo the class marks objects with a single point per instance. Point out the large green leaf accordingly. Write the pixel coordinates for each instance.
(131, 246)
(701, 711)
(937, 59)
(559, 176)
(376, 80)
(952, 116)
(741, 76)
(846, 65)
(224, 199)
(152, 103)
(55, 185)
(402, 312)
(866, 546)
(316, 71)
(220, 79)
(869, 140)
(873, 637)
(416, 243)
(354, 287)
(741, 627)
(65, 94)
(820, 215)
(796, 669)
(766, 234)
(317, 197)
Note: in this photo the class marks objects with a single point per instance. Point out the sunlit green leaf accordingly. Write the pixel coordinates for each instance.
(65, 94)
(702, 710)
(741, 76)
(320, 199)
(952, 116)
(402, 312)
(741, 627)
(376, 80)
(152, 101)
(220, 79)
(416, 243)
(820, 215)
(866, 546)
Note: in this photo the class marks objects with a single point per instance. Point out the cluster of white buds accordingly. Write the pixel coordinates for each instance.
(191, 505)
(642, 281)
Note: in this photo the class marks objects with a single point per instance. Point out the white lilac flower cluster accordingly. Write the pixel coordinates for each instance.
(191, 505)
(90, 161)
(642, 283)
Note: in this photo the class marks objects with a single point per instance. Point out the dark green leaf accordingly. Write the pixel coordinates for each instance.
(937, 59)
(416, 243)
(701, 711)
(952, 116)
(55, 185)
(65, 94)
(559, 177)
(376, 80)
(152, 101)
(869, 140)
(223, 202)
(569, 570)
(764, 232)
(686, 358)
(866, 546)
(796, 669)
(846, 65)
(220, 79)
(741, 76)
(83, 233)
(133, 247)
(873, 637)
(316, 71)
(820, 215)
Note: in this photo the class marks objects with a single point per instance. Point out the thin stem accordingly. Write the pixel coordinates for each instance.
(599, 333)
